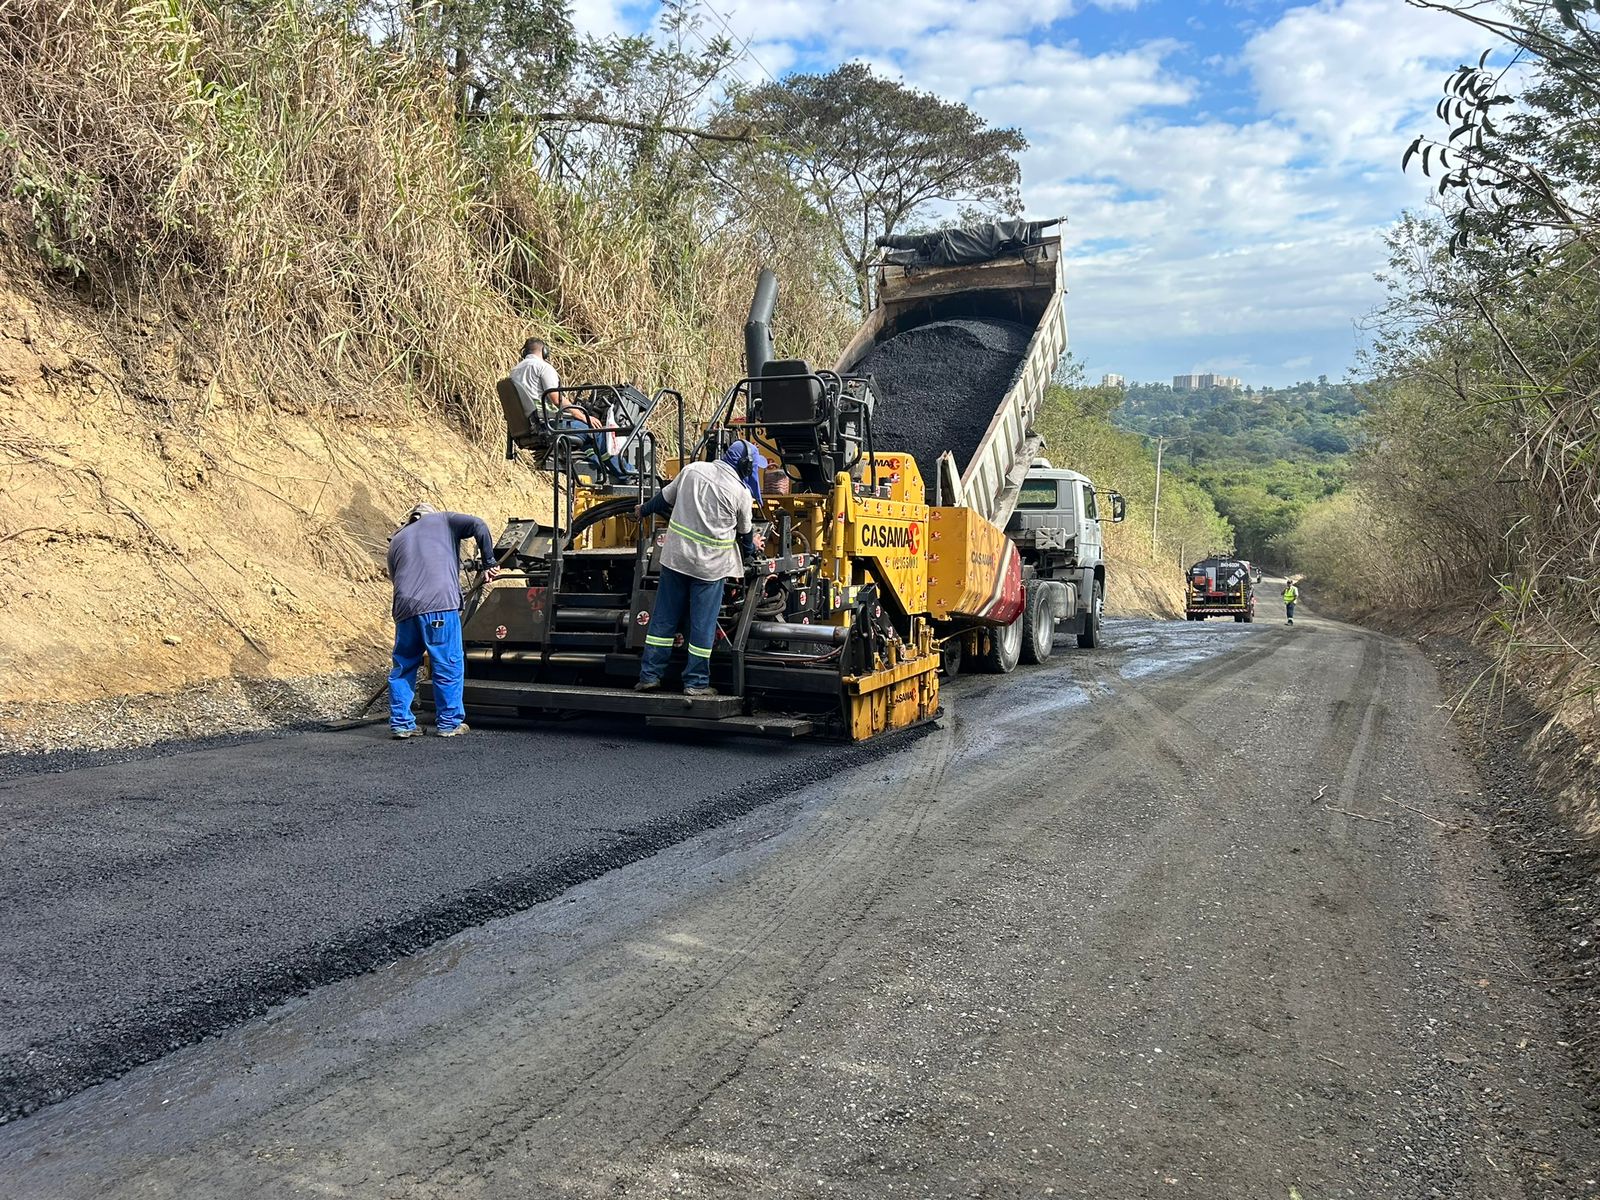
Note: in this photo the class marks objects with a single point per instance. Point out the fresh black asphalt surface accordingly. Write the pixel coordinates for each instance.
(151, 903)
(1216, 911)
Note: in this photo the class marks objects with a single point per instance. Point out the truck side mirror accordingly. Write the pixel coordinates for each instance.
(1119, 507)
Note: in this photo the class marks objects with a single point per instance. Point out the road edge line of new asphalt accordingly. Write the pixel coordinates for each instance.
(49, 1072)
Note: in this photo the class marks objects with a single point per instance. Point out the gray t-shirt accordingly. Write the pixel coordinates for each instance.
(533, 377)
(710, 507)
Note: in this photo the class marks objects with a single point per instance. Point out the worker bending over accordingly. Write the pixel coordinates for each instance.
(710, 505)
(425, 567)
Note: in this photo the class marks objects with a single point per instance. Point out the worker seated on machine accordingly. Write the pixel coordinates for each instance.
(598, 447)
(535, 377)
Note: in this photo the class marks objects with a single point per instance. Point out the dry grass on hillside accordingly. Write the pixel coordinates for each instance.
(322, 232)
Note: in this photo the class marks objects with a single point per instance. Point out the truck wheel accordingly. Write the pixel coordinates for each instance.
(1005, 647)
(1249, 617)
(1089, 639)
(1238, 620)
(1038, 627)
(950, 654)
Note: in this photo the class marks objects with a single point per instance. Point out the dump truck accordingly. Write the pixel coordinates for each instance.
(965, 337)
(874, 582)
(1220, 586)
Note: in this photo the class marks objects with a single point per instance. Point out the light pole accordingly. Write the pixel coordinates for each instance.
(1155, 507)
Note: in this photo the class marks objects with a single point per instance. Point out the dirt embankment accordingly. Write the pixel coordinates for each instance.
(1136, 589)
(174, 562)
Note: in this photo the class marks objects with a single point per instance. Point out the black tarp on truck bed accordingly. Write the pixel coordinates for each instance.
(958, 247)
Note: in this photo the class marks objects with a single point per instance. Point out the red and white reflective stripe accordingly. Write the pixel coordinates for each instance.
(1004, 604)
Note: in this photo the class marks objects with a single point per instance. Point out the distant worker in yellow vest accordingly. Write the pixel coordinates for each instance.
(1291, 594)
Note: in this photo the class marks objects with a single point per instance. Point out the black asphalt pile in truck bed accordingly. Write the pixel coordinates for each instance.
(938, 386)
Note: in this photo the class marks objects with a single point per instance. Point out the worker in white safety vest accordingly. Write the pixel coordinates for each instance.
(710, 507)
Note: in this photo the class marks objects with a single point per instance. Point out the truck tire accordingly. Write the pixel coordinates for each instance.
(1038, 627)
(1005, 647)
(1239, 620)
(951, 652)
(1089, 639)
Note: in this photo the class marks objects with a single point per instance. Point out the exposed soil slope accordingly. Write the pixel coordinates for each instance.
(156, 537)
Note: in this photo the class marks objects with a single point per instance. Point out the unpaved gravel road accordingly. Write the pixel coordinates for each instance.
(1208, 914)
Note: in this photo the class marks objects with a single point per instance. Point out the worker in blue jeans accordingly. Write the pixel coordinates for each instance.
(710, 507)
(425, 567)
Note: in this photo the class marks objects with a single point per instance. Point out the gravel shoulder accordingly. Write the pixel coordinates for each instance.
(1223, 927)
(1549, 868)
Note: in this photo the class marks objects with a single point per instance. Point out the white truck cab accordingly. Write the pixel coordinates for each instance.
(1059, 509)
(1056, 527)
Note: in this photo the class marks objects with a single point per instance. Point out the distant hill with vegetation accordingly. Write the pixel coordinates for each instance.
(1262, 455)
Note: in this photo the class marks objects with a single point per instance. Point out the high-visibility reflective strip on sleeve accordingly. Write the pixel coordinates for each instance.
(698, 652)
(699, 539)
(650, 640)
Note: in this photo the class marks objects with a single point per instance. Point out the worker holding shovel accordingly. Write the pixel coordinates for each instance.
(425, 567)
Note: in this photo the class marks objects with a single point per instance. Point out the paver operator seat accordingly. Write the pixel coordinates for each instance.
(817, 420)
(621, 408)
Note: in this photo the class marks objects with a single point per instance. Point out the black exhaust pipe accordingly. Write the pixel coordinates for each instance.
(758, 350)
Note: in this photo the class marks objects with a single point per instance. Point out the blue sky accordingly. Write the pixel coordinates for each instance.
(1227, 167)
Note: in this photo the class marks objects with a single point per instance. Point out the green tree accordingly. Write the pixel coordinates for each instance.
(490, 49)
(875, 156)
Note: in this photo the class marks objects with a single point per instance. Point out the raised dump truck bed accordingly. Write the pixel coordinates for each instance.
(960, 358)
(965, 337)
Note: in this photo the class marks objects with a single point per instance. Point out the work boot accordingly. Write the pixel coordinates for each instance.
(401, 735)
(697, 693)
(647, 685)
(458, 729)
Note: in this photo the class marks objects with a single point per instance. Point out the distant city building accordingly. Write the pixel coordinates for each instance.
(1113, 381)
(1201, 383)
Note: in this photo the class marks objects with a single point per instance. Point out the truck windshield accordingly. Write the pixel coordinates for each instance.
(1037, 493)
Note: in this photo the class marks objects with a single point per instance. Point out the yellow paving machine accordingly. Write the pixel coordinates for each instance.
(869, 582)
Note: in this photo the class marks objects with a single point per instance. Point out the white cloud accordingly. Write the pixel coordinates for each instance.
(1264, 226)
(600, 18)
(1353, 74)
